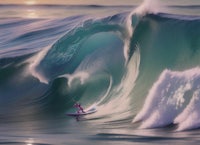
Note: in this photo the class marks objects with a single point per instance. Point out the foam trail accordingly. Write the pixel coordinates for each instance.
(167, 98)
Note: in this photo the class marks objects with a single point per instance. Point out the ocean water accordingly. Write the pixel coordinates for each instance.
(138, 65)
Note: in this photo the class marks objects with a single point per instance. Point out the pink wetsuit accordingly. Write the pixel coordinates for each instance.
(79, 107)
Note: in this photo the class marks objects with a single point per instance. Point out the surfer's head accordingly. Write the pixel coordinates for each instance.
(77, 104)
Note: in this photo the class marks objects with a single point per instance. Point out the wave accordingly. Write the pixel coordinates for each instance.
(80, 46)
(121, 63)
(169, 52)
(75, 66)
(168, 97)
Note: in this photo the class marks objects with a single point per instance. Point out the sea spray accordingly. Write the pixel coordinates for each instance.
(149, 7)
(168, 98)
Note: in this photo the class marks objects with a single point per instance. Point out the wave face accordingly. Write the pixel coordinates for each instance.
(132, 67)
(73, 59)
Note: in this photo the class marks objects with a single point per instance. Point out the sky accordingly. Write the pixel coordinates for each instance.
(72, 2)
(99, 2)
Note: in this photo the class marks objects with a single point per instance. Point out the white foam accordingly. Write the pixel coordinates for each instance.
(192, 122)
(34, 62)
(81, 75)
(190, 117)
(166, 100)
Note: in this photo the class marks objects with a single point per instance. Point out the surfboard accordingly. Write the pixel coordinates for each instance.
(90, 111)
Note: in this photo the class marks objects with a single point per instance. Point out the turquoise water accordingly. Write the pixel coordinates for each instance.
(137, 65)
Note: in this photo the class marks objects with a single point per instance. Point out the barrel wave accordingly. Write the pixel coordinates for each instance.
(139, 70)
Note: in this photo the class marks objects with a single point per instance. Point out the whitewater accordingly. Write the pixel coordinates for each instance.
(138, 65)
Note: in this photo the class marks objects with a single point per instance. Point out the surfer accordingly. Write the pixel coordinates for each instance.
(79, 108)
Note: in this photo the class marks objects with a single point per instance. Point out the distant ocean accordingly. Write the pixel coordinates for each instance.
(138, 65)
